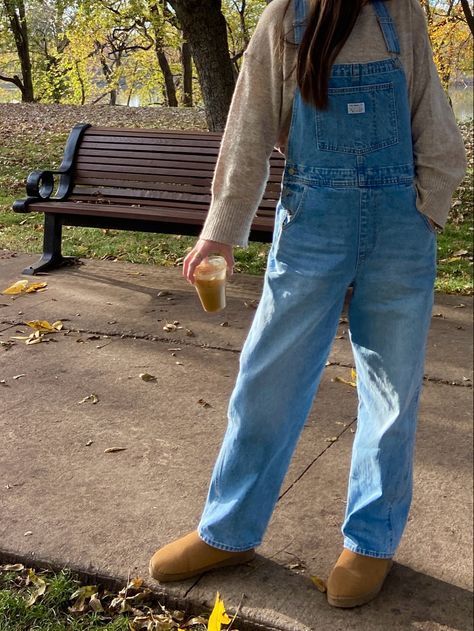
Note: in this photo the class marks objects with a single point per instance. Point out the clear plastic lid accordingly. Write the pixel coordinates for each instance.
(210, 267)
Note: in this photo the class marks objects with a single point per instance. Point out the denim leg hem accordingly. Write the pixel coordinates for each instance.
(350, 545)
(223, 546)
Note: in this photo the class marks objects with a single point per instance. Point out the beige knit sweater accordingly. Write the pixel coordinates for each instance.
(260, 113)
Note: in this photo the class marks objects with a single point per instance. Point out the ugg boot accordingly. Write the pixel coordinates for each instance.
(356, 579)
(189, 556)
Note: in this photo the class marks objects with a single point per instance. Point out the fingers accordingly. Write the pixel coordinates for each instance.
(191, 261)
(202, 249)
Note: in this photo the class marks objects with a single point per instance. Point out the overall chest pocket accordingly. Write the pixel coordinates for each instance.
(359, 119)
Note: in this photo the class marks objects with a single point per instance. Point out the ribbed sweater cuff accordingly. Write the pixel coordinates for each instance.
(228, 221)
(434, 198)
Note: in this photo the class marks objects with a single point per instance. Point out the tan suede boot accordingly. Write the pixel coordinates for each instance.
(356, 579)
(189, 556)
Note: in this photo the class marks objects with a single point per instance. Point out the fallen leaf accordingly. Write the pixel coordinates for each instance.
(145, 376)
(18, 376)
(341, 380)
(28, 533)
(218, 615)
(84, 592)
(23, 287)
(17, 567)
(91, 397)
(40, 585)
(189, 333)
(112, 450)
(332, 439)
(460, 306)
(41, 325)
(17, 288)
(204, 404)
(460, 253)
(320, 584)
(35, 287)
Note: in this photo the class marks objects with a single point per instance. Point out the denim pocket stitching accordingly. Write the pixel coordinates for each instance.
(334, 146)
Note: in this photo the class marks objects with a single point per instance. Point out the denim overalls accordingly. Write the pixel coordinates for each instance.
(346, 216)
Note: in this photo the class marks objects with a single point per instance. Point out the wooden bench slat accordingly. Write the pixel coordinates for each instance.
(118, 196)
(140, 131)
(152, 192)
(166, 183)
(172, 214)
(140, 143)
(162, 151)
(128, 173)
(136, 161)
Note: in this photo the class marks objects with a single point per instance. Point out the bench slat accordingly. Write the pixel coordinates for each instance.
(93, 179)
(119, 196)
(130, 173)
(142, 132)
(174, 215)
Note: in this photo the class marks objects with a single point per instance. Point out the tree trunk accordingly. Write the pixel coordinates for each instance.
(15, 11)
(468, 15)
(168, 76)
(187, 63)
(205, 29)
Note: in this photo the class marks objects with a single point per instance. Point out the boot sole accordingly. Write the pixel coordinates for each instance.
(168, 578)
(346, 602)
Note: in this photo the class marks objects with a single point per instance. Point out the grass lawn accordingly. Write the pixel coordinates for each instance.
(57, 601)
(27, 143)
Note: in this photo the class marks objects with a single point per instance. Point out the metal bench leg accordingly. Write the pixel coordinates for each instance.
(52, 256)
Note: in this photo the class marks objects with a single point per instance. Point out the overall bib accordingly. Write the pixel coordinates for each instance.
(346, 216)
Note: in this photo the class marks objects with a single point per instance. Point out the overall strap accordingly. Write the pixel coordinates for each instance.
(299, 24)
(383, 16)
(387, 25)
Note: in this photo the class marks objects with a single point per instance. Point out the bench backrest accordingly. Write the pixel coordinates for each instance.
(152, 164)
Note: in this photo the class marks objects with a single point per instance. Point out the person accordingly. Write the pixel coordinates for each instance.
(349, 92)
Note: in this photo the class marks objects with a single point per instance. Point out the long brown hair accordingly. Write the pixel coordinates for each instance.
(328, 25)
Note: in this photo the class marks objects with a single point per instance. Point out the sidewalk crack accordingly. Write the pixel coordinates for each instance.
(349, 425)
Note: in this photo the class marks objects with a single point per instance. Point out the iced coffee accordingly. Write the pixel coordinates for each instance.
(209, 280)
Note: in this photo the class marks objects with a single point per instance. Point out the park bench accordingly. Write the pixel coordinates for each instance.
(134, 179)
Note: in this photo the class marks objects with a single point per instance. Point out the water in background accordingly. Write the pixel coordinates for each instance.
(463, 101)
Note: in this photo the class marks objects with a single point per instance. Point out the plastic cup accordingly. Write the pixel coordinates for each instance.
(209, 280)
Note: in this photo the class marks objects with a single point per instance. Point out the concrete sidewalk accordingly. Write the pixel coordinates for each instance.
(104, 514)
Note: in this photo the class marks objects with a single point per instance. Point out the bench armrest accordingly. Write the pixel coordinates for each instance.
(40, 185)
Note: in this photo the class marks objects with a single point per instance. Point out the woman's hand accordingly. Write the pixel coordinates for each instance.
(203, 248)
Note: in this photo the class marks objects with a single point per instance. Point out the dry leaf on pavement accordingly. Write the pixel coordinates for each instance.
(91, 397)
(23, 287)
(320, 584)
(145, 376)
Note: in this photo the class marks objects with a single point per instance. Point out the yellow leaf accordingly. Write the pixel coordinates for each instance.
(353, 375)
(320, 584)
(17, 288)
(218, 615)
(41, 325)
(341, 380)
(34, 287)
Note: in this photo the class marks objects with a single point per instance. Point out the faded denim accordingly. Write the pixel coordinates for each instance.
(346, 216)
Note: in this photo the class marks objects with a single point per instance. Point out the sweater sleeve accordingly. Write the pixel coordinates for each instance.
(438, 146)
(251, 131)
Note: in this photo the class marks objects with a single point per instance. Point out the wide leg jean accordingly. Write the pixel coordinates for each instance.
(325, 239)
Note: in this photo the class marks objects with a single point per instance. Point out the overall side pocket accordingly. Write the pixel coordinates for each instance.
(292, 199)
